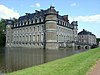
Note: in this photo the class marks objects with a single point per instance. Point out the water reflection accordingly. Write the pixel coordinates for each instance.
(19, 58)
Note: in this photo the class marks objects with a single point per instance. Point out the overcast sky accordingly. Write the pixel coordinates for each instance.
(86, 12)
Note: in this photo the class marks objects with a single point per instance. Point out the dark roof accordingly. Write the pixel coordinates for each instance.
(9, 22)
(33, 15)
(38, 14)
(84, 32)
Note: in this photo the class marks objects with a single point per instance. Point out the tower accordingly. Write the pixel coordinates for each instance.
(51, 29)
(9, 24)
(75, 25)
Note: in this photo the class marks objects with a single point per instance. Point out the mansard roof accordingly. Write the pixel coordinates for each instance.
(29, 16)
(84, 32)
(9, 22)
(41, 14)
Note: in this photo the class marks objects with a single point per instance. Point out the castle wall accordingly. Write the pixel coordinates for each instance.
(42, 29)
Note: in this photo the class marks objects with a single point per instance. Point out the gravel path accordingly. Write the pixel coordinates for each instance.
(96, 69)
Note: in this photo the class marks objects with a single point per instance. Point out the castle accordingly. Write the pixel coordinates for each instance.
(42, 29)
(86, 37)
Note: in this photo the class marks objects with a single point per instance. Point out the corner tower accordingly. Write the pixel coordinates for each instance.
(51, 29)
(9, 24)
(75, 29)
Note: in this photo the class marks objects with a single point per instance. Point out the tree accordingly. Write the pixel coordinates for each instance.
(2, 32)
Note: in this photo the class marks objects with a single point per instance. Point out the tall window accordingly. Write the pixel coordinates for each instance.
(42, 38)
(33, 38)
(34, 28)
(38, 28)
(37, 38)
(42, 27)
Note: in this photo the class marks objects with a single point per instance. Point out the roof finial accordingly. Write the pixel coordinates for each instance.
(51, 6)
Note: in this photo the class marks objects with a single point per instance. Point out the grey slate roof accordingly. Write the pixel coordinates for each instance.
(37, 14)
(84, 32)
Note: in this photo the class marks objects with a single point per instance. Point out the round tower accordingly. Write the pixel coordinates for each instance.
(75, 29)
(9, 33)
(51, 29)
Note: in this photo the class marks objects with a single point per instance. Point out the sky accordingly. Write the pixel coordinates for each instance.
(86, 12)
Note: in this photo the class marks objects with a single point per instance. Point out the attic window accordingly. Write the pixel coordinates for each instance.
(24, 23)
(39, 19)
(61, 22)
(31, 21)
(28, 22)
(35, 20)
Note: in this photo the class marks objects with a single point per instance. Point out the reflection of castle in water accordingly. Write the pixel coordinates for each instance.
(19, 58)
(42, 29)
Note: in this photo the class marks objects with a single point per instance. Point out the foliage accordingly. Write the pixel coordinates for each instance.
(98, 39)
(2, 32)
(77, 64)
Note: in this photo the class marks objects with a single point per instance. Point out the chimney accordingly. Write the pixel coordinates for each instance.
(65, 17)
(36, 11)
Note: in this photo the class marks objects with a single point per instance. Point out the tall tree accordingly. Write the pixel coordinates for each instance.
(2, 32)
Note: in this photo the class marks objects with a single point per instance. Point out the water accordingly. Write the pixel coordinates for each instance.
(12, 59)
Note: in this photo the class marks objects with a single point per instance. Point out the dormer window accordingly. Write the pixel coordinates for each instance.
(28, 22)
(31, 21)
(61, 22)
(21, 23)
(39, 19)
(24, 23)
(65, 24)
(17, 24)
(35, 20)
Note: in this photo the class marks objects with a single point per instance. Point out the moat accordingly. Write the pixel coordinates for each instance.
(12, 59)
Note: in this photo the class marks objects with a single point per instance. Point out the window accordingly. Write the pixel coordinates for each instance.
(17, 24)
(38, 38)
(33, 38)
(34, 28)
(26, 30)
(38, 28)
(35, 20)
(40, 20)
(30, 29)
(42, 38)
(42, 27)
(21, 23)
(28, 22)
(61, 22)
(31, 21)
(24, 23)
(65, 24)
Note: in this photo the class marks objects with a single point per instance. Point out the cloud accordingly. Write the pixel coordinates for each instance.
(35, 5)
(7, 13)
(73, 4)
(92, 18)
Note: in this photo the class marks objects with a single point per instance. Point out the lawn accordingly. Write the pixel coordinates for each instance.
(78, 64)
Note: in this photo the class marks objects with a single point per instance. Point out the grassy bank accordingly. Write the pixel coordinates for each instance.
(77, 64)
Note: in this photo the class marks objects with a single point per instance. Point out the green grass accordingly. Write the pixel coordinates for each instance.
(78, 64)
